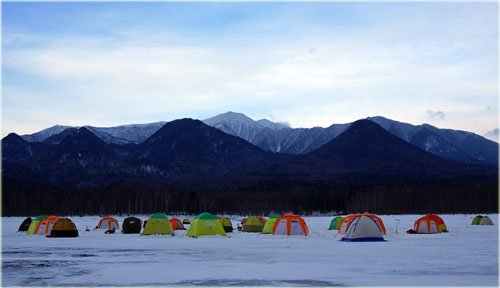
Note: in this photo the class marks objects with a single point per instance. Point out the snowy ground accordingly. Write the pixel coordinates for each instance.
(468, 255)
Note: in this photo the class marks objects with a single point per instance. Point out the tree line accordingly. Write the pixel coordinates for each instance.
(22, 200)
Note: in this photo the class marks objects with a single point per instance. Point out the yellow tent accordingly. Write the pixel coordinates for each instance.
(205, 224)
(253, 224)
(226, 224)
(158, 224)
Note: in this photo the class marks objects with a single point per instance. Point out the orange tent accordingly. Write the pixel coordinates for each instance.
(108, 223)
(177, 224)
(429, 224)
(45, 225)
(348, 219)
(290, 224)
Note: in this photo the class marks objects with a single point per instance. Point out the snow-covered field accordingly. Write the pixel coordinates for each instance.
(467, 255)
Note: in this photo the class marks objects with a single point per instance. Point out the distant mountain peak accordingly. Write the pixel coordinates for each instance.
(81, 135)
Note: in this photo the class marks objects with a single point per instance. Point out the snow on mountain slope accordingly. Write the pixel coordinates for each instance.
(272, 125)
(123, 134)
(278, 137)
(45, 133)
(447, 143)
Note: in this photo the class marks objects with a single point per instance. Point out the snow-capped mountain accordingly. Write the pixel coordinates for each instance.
(274, 137)
(447, 143)
(123, 134)
(280, 138)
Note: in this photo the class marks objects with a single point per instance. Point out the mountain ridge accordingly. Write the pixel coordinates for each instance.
(275, 137)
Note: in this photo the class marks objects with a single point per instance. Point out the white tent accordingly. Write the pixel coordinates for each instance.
(363, 228)
(486, 221)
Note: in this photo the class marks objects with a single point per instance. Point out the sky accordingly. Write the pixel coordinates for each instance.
(307, 64)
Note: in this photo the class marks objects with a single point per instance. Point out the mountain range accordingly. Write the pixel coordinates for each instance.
(280, 138)
(188, 152)
(187, 165)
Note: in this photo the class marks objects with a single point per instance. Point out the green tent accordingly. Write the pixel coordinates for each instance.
(205, 224)
(336, 222)
(34, 224)
(269, 225)
(158, 224)
(131, 225)
(477, 220)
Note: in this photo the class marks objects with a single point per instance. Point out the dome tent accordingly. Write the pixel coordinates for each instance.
(34, 224)
(45, 225)
(346, 222)
(290, 224)
(64, 227)
(363, 228)
(428, 224)
(108, 223)
(335, 223)
(186, 221)
(226, 224)
(131, 225)
(205, 224)
(486, 221)
(158, 224)
(269, 225)
(25, 225)
(253, 224)
(176, 224)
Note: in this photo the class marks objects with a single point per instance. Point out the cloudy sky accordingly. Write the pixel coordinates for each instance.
(308, 64)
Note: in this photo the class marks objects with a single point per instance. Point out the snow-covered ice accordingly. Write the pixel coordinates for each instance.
(467, 255)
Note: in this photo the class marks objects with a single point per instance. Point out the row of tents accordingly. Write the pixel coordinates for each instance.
(354, 227)
(203, 224)
(50, 226)
(369, 227)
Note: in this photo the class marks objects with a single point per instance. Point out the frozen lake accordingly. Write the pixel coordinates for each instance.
(467, 255)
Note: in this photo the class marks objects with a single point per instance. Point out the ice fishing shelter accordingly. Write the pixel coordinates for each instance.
(158, 224)
(253, 224)
(108, 223)
(428, 224)
(290, 224)
(269, 225)
(64, 227)
(226, 224)
(205, 224)
(335, 223)
(486, 221)
(442, 225)
(176, 224)
(346, 222)
(34, 224)
(45, 225)
(131, 225)
(363, 228)
(25, 225)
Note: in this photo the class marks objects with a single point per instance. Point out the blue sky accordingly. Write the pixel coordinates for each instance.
(308, 64)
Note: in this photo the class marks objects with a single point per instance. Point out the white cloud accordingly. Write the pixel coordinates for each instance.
(313, 76)
(492, 135)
